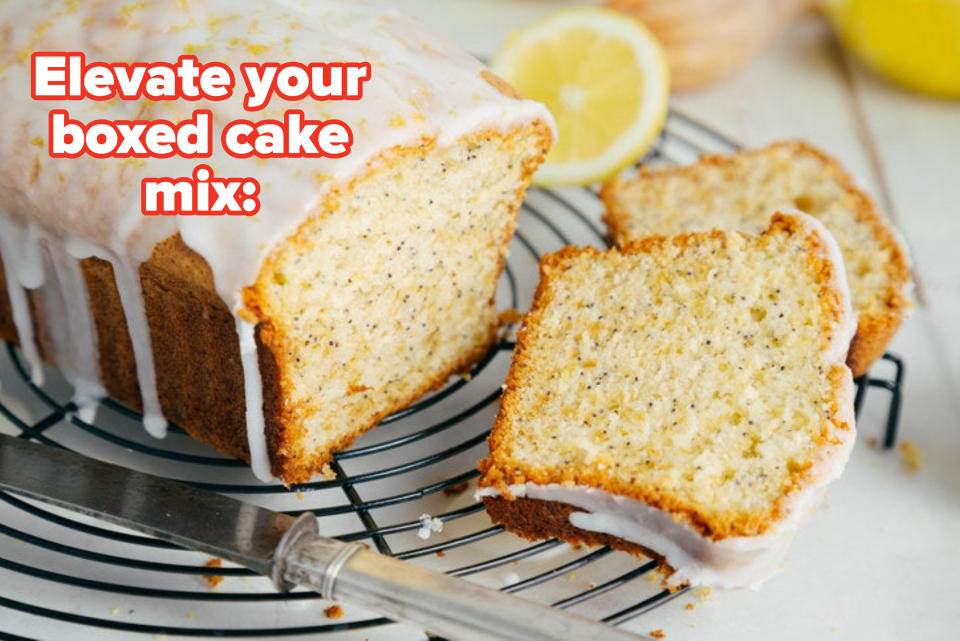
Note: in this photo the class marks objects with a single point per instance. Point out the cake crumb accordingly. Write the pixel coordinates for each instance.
(441, 553)
(689, 606)
(509, 316)
(356, 389)
(214, 579)
(872, 441)
(658, 633)
(911, 456)
(327, 473)
(703, 592)
(114, 610)
(428, 525)
(456, 490)
(299, 496)
(333, 612)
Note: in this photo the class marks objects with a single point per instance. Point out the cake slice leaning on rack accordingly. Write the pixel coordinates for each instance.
(362, 282)
(684, 397)
(738, 192)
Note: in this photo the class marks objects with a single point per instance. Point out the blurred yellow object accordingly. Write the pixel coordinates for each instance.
(915, 42)
(605, 79)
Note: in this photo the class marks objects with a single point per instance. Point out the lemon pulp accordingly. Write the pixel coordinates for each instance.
(605, 80)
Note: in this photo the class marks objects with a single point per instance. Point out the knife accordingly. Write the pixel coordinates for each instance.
(288, 550)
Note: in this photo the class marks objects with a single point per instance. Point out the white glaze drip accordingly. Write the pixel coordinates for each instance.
(78, 356)
(253, 395)
(16, 264)
(126, 273)
(732, 563)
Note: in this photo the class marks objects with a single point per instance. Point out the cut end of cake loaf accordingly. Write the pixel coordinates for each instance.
(687, 394)
(379, 298)
(389, 290)
(740, 191)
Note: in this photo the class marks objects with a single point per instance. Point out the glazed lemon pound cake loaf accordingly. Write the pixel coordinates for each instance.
(741, 191)
(363, 282)
(684, 397)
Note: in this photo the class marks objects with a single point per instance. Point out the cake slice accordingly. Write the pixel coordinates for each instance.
(741, 191)
(683, 397)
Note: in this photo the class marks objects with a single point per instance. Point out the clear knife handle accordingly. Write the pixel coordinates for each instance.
(444, 605)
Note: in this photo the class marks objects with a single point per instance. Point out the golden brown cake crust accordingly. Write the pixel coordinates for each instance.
(499, 470)
(195, 345)
(876, 326)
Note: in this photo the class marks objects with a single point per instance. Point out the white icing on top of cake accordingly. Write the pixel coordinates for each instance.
(422, 87)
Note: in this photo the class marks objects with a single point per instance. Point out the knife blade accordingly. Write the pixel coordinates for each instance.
(288, 550)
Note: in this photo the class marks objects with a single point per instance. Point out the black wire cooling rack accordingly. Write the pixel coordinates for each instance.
(66, 576)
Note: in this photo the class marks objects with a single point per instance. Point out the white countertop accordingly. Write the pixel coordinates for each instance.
(880, 560)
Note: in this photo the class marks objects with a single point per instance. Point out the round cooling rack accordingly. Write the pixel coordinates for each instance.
(65, 576)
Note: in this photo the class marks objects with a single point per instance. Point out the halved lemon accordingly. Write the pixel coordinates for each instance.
(604, 77)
